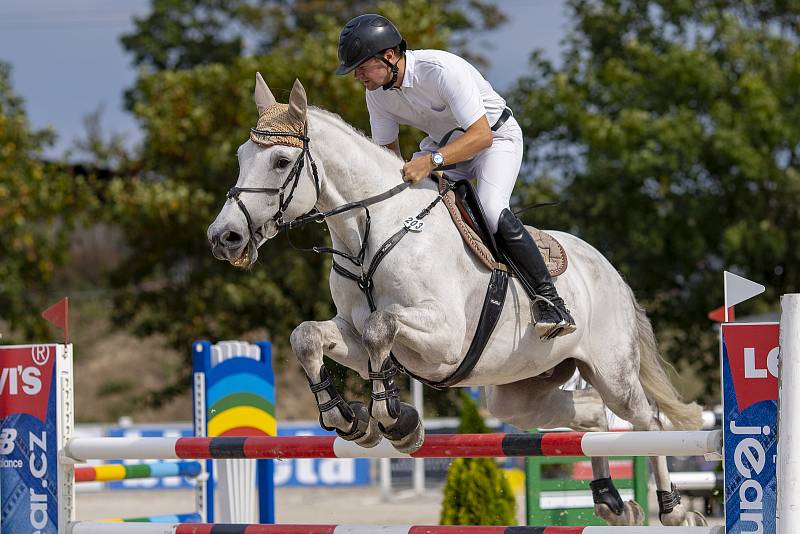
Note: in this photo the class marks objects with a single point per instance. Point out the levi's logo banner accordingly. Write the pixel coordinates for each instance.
(749, 353)
(28, 439)
(25, 375)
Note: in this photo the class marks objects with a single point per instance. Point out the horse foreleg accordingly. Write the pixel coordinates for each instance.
(399, 422)
(338, 340)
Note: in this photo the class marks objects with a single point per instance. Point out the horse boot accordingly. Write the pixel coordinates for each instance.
(525, 259)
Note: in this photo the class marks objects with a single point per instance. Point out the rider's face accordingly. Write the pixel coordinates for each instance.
(373, 73)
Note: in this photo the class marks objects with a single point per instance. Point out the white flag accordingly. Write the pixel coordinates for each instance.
(738, 289)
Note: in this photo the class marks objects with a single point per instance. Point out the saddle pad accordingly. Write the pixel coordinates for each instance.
(553, 253)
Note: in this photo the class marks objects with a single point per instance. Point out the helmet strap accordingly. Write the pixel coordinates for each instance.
(393, 67)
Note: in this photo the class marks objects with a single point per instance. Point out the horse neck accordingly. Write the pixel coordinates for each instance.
(354, 169)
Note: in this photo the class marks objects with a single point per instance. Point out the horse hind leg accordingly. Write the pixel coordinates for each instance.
(608, 503)
(624, 394)
(539, 403)
(350, 420)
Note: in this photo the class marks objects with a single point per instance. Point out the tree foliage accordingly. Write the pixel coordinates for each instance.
(670, 130)
(182, 34)
(39, 204)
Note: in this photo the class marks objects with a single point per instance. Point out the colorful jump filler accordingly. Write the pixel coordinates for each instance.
(234, 392)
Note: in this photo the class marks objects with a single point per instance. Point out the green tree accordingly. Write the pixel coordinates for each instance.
(181, 34)
(39, 204)
(476, 491)
(670, 130)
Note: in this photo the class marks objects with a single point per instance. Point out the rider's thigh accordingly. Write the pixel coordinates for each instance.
(496, 171)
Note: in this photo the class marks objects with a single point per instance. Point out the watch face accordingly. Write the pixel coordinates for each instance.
(438, 159)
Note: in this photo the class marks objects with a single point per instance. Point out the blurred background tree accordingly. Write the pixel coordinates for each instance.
(670, 133)
(40, 205)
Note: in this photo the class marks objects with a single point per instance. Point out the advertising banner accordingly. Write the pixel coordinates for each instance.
(28, 438)
(749, 354)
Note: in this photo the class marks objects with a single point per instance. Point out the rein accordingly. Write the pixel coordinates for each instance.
(364, 279)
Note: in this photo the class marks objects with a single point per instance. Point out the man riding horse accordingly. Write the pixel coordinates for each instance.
(447, 98)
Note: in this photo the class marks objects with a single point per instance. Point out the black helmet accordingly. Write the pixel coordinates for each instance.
(364, 37)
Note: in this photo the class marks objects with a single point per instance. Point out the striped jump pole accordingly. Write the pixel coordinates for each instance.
(499, 445)
(110, 473)
(144, 528)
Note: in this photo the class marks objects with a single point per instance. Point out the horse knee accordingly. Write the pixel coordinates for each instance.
(306, 341)
(380, 330)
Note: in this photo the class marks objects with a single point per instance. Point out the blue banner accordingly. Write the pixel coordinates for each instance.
(750, 385)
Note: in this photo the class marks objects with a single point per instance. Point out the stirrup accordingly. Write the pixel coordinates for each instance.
(551, 330)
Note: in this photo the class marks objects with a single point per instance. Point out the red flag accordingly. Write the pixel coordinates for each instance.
(718, 315)
(58, 315)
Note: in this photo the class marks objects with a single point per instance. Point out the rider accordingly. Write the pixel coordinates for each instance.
(444, 95)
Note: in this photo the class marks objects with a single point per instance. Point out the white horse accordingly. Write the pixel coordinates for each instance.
(428, 294)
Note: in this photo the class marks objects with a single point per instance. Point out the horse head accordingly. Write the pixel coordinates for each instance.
(274, 186)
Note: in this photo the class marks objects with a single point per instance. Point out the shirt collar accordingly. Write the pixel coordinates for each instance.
(408, 75)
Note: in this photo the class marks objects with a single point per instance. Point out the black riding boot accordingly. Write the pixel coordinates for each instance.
(526, 261)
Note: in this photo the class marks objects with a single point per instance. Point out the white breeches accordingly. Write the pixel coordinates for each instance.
(495, 169)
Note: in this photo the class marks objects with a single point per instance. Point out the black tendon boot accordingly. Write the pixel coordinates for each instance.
(526, 261)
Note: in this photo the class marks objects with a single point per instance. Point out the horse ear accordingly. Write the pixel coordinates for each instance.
(264, 98)
(298, 104)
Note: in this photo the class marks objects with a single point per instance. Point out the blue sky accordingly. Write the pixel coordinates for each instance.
(67, 61)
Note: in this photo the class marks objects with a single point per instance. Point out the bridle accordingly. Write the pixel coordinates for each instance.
(364, 278)
(290, 183)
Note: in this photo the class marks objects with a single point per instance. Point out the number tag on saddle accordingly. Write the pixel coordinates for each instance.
(413, 224)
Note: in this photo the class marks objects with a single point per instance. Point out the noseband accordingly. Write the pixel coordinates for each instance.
(290, 184)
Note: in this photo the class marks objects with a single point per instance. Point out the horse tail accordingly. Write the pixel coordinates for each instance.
(656, 383)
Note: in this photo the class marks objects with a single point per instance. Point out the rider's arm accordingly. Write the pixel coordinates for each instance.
(477, 137)
(394, 146)
(458, 89)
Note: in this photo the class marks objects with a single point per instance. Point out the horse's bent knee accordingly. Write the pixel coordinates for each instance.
(379, 331)
(306, 341)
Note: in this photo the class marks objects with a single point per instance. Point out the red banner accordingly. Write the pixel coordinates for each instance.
(25, 376)
(753, 351)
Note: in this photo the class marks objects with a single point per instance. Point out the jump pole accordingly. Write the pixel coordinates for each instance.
(152, 528)
(591, 444)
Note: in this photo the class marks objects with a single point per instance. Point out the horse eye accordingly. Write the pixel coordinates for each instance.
(282, 163)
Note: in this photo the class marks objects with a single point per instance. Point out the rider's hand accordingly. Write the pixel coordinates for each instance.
(417, 169)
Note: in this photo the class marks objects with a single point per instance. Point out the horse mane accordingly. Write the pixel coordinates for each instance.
(366, 143)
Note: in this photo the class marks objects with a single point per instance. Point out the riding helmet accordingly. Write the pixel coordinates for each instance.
(364, 37)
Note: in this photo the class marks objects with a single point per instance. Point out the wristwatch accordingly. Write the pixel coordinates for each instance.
(437, 159)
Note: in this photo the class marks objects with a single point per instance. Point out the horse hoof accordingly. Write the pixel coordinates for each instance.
(407, 433)
(677, 517)
(695, 519)
(365, 432)
(632, 514)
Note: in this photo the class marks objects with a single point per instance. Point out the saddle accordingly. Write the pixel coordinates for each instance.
(465, 209)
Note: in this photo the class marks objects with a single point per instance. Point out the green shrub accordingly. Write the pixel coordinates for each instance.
(476, 491)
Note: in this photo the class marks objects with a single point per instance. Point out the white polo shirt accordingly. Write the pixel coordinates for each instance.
(440, 92)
